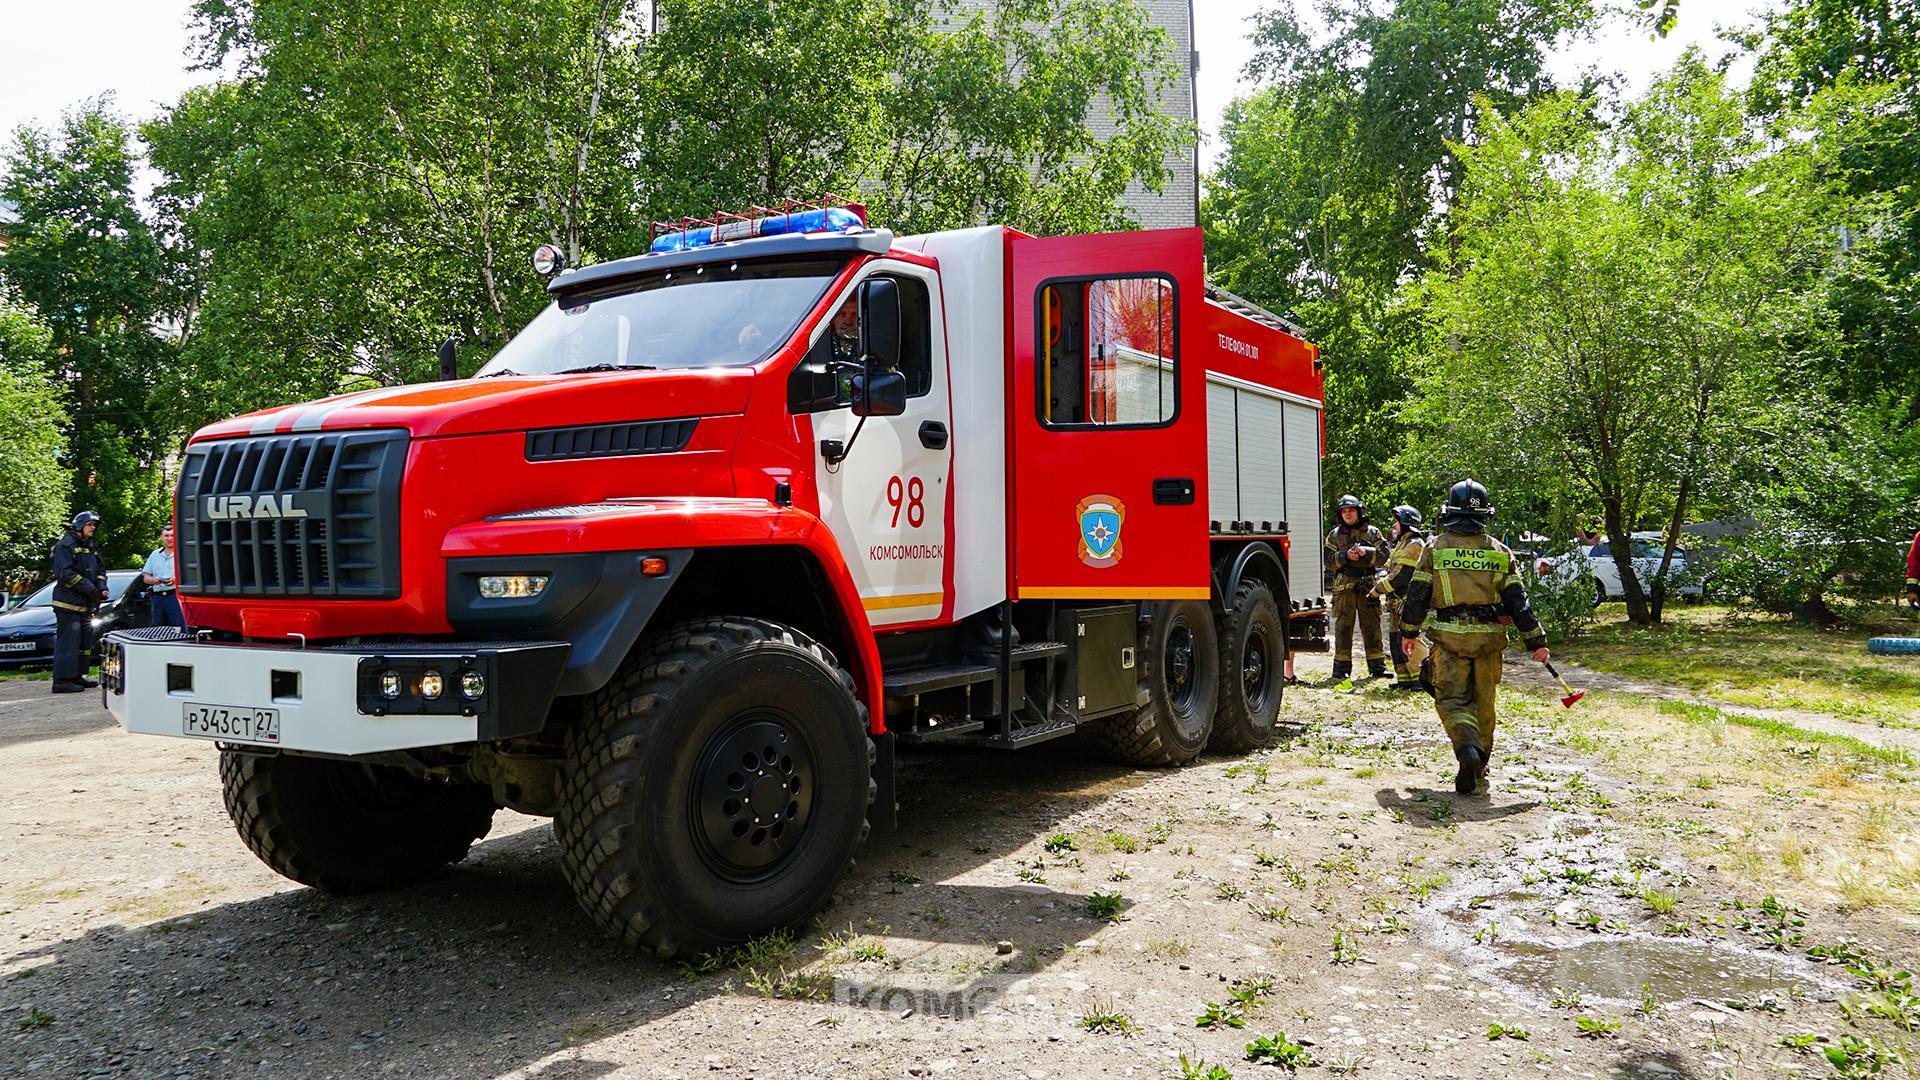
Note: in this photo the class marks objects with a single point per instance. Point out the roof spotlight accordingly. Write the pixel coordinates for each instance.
(549, 260)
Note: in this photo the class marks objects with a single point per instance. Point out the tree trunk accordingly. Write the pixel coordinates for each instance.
(1813, 611)
(1673, 542)
(1622, 545)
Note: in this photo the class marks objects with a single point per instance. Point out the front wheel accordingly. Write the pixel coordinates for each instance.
(1253, 658)
(1179, 684)
(347, 827)
(716, 788)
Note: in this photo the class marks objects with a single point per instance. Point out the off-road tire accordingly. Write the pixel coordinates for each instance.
(1169, 727)
(350, 828)
(1244, 721)
(638, 794)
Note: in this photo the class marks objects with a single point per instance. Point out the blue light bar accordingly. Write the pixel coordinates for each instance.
(831, 219)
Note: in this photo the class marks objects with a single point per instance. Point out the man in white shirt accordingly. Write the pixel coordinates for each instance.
(158, 577)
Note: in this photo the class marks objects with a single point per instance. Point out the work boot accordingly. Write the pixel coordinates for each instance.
(1376, 669)
(65, 686)
(1472, 761)
(89, 684)
(1342, 669)
(1408, 684)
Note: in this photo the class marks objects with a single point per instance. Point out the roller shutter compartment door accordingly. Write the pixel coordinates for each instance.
(1303, 495)
(1223, 470)
(1264, 463)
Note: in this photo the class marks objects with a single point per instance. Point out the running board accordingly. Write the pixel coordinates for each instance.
(1029, 736)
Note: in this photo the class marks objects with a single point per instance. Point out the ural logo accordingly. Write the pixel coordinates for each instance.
(228, 507)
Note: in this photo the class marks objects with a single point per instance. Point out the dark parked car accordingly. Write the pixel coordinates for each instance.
(26, 630)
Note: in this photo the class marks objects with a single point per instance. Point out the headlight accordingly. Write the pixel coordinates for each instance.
(512, 586)
(472, 685)
(431, 685)
(389, 684)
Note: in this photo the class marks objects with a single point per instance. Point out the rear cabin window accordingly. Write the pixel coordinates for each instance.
(1108, 352)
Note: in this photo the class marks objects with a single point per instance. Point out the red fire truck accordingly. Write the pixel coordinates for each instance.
(722, 526)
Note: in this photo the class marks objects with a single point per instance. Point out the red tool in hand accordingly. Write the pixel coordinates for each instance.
(1572, 694)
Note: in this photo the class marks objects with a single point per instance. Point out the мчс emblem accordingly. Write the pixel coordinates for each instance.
(1100, 518)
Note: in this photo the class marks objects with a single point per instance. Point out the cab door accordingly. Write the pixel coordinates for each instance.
(1109, 456)
(887, 499)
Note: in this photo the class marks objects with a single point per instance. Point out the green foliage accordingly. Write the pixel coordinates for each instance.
(937, 118)
(1501, 1031)
(34, 485)
(1831, 483)
(1216, 1015)
(85, 260)
(1336, 179)
(1276, 1050)
(1597, 1027)
(1562, 601)
(376, 175)
(1201, 1069)
(1104, 1019)
(1106, 906)
(1615, 301)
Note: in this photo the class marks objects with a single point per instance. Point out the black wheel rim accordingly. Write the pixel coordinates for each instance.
(1254, 670)
(1179, 665)
(752, 796)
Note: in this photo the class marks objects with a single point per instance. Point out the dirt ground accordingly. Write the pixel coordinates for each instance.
(1627, 902)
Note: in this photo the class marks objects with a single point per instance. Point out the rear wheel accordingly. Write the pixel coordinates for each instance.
(1179, 683)
(716, 789)
(350, 828)
(1253, 656)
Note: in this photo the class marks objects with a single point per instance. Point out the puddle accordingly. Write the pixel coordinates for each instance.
(1614, 969)
(1566, 908)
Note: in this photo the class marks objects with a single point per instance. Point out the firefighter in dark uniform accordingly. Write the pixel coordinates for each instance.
(1464, 595)
(79, 584)
(1355, 553)
(1409, 541)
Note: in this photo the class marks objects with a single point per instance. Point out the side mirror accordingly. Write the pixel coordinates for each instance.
(449, 370)
(879, 393)
(880, 324)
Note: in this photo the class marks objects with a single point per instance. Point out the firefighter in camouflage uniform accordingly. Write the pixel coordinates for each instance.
(1464, 595)
(1355, 553)
(1409, 541)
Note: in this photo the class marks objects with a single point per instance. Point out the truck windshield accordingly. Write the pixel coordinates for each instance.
(721, 314)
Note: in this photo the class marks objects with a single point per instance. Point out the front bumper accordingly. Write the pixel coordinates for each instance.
(324, 696)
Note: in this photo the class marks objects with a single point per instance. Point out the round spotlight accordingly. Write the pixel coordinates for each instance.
(472, 685)
(548, 260)
(431, 685)
(389, 684)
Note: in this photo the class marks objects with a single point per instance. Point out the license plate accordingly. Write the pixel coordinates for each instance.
(231, 723)
(16, 646)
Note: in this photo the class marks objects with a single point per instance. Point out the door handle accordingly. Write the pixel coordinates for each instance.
(1173, 491)
(933, 435)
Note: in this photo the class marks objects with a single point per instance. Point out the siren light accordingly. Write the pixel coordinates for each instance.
(790, 219)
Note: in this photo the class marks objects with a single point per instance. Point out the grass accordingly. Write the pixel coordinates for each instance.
(1761, 660)
(1779, 729)
(1104, 1019)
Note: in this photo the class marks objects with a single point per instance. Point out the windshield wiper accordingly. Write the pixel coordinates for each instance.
(606, 367)
(496, 374)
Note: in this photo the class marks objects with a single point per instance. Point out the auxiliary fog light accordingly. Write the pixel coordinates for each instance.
(472, 685)
(389, 684)
(512, 586)
(431, 685)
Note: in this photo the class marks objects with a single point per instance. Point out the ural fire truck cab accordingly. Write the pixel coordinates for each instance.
(725, 524)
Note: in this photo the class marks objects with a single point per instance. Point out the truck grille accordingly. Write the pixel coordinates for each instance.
(314, 514)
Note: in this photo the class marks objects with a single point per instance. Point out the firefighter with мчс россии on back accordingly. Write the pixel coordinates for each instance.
(1354, 554)
(1464, 595)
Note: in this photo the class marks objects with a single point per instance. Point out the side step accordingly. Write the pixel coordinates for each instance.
(1029, 736)
(926, 680)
